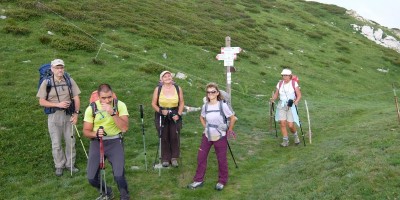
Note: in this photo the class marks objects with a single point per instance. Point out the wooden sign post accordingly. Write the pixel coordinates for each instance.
(228, 54)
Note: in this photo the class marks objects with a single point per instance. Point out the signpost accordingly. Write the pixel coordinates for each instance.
(228, 55)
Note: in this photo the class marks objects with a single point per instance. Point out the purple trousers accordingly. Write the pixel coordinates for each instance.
(220, 147)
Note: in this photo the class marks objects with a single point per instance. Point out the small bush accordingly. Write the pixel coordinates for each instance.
(97, 61)
(314, 35)
(151, 68)
(343, 60)
(45, 39)
(22, 14)
(16, 30)
(290, 25)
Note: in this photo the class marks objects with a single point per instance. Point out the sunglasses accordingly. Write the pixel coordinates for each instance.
(211, 92)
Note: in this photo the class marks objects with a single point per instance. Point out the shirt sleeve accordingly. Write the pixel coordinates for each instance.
(122, 109)
(88, 115)
(203, 111)
(75, 89)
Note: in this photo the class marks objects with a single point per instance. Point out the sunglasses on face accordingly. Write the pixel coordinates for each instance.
(211, 92)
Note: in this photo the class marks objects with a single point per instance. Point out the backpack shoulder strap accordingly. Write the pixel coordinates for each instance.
(280, 84)
(48, 87)
(93, 105)
(222, 112)
(69, 84)
(294, 85)
(158, 95)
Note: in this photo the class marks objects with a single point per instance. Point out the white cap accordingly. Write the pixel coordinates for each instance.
(57, 62)
(286, 72)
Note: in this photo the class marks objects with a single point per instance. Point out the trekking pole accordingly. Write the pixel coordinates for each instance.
(309, 122)
(396, 102)
(272, 116)
(300, 125)
(72, 138)
(144, 140)
(230, 150)
(159, 147)
(273, 111)
(83, 146)
(102, 167)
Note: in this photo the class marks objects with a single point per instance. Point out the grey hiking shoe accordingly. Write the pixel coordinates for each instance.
(174, 162)
(195, 185)
(74, 169)
(165, 164)
(296, 140)
(285, 143)
(219, 186)
(59, 171)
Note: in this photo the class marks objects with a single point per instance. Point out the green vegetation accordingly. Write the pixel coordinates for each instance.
(354, 153)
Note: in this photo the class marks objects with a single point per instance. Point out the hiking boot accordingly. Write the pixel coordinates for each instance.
(174, 162)
(285, 143)
(165, 164)
(74, 169)
(195, 185)
(59, 171)
(296, 140)
(219, 186)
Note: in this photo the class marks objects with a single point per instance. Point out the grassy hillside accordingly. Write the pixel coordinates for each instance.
(354, 154)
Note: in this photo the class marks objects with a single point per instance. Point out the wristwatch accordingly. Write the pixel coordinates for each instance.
(77, 112)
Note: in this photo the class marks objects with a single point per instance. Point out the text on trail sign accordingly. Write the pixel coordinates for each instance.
(228, 54)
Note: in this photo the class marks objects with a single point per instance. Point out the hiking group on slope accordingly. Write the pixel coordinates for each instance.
(106, 121)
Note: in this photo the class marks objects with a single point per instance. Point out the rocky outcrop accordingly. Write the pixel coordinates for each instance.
(378, 36)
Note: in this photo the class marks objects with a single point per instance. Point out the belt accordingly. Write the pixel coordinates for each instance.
(168, 108)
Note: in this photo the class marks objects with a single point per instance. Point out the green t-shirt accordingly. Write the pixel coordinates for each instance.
(104, 119)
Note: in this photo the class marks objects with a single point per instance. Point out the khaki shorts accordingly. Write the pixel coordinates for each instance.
(285, 113)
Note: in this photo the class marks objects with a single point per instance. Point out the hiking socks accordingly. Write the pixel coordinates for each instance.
(295, 134)
(286, 139)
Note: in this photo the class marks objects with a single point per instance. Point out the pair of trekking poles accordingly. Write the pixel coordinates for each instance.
(159, 145)
(272, 114)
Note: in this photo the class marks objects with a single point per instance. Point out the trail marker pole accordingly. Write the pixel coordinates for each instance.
(396, 102)
(228, 54)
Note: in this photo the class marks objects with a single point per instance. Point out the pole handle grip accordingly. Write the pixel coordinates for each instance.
(141, 111)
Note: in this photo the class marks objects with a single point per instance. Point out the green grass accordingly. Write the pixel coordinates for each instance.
(354, 151)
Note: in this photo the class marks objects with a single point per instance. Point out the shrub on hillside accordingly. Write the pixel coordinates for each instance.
(16, 30)
(151, 68)
(45, 39)
(22, 14)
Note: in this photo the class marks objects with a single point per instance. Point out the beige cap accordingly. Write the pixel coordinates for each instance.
(163, 73)
(57, 62)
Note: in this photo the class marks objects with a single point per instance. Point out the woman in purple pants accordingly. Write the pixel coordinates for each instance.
(214, 114)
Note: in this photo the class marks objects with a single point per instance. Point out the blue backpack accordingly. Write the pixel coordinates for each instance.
(45, 74)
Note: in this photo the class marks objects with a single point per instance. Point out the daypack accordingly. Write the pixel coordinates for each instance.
(294, 80)
(94, 97)
(45, 74)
